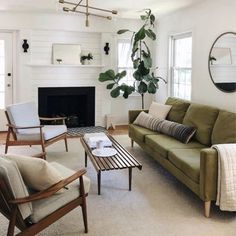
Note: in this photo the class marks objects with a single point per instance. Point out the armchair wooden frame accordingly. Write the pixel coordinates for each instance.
(9, 206)
(11, 134)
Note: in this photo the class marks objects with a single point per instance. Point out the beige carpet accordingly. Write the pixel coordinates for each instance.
(158, 204)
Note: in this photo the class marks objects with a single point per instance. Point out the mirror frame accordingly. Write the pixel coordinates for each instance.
(209, 63)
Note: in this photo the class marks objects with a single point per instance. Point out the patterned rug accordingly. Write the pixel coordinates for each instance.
(79, 131)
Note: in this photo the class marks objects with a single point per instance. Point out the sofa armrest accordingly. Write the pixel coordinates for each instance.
(133, 115)
(208, 174)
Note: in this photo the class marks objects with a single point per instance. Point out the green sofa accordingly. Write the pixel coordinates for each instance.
(194, 164)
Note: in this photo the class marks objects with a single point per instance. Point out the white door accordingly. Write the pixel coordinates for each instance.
(6, 91)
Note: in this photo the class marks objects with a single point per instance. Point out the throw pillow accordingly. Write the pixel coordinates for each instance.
(158, 110)
(37, 173)
(146, 120)
(178, 131)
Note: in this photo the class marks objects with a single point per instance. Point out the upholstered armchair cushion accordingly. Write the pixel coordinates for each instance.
(44, 207)
(37, 173)
(12, 176)
(23, 114)
(49, 131)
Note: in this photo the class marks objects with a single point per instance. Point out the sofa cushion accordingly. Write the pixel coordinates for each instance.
(224, 130)
(158, 110)
(163, 143)
(203, 118)
(139, 132)
(178, 109)
(188, 161)
(44, 207)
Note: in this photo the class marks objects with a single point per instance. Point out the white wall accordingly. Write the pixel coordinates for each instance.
(42, 30)
(206, 21)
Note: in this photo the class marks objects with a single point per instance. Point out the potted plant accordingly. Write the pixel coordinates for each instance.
(145, 79)
(85, 59)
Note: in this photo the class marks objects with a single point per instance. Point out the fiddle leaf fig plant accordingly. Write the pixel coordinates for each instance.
(144, 77)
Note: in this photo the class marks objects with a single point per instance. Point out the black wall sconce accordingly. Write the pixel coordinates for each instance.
(25, 45)
(107, 48)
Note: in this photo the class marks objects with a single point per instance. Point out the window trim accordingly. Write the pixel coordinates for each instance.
(172, 39)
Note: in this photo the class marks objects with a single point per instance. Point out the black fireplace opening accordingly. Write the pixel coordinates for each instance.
(77, 104)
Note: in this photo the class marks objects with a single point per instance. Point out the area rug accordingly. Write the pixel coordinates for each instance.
(158, 205)
(79, 131)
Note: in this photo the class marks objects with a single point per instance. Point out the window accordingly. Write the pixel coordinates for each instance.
(124, 61)
(181, 66)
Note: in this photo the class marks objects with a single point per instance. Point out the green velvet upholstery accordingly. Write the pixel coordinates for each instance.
(224, 130)
(195, 164)
(188, 161)
(163, 144)
(208, 174)
(178, 109)
(203, 118)
(133, 115)
(139, 132)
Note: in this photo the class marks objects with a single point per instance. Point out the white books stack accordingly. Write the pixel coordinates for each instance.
(92, 139)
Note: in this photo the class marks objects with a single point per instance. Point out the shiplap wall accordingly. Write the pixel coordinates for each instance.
(47, 76)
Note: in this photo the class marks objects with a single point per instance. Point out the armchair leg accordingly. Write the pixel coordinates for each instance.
(7, 140)
(207, 208)
(84, 211)
(12, 223)
(66, 145)
(132, 143)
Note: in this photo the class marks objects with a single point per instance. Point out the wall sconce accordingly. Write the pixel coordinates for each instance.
(25, 45)
(107, 48)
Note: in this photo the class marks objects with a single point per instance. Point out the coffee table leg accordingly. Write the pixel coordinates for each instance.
(85, 158)
(130, 178)
(99, 182)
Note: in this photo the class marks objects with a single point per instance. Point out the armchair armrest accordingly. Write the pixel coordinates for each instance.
(52, 189)
(208, 174)
(133, 115)
(25, 127)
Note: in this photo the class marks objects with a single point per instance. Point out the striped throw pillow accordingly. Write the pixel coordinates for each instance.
(181, 132)
(148, 121)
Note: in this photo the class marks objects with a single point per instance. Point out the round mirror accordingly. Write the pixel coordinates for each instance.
(222, 62)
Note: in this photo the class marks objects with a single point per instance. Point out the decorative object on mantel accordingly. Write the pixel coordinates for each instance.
(86, 12)
(86, 58)
(66, 54)
(144, 77)
(107, 49)
(25, 45)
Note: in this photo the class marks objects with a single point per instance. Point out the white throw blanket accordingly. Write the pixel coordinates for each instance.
(226, 189)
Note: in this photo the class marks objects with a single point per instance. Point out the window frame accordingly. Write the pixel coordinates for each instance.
(172, 67)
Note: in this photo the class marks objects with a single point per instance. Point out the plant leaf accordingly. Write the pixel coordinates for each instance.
(136, 63)
(151, 88)
(122, 74)
(147, 61)
(108, 75)
(150, 34)
(115, 92)
(144, 17)
(142, 69)
(137, 75)
(140, 35)
(142, 88)
(152, 19)
(122, 31)
(110, 86)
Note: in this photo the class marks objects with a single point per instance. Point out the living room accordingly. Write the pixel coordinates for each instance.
(159, 203)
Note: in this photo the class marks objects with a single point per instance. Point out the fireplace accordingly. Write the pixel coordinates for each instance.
(77, 104)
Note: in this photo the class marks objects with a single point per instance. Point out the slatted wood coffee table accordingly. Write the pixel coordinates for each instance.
(122, 160)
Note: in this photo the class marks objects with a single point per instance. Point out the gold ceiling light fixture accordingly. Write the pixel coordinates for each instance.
(86, 7)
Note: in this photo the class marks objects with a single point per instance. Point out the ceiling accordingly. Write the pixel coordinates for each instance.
(125, 8)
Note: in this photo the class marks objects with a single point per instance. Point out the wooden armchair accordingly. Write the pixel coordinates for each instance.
(24, 128)
(27, 219)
